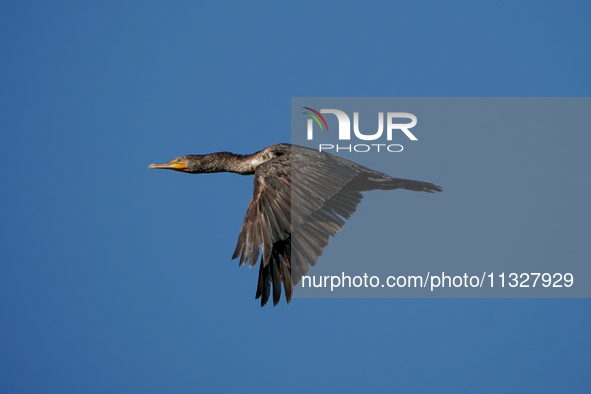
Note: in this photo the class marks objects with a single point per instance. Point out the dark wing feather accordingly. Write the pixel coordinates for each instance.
(286, 208)
(267, 219)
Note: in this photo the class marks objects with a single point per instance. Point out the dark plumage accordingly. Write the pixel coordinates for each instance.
(301, 197)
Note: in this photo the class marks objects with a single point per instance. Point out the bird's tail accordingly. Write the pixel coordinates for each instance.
(390, 183)
(380, 181)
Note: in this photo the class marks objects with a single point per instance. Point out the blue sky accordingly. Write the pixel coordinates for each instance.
(114, 278)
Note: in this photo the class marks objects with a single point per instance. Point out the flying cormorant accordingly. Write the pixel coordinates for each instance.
(301, 197)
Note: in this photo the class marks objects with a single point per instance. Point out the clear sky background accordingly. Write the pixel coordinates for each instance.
(114, 278)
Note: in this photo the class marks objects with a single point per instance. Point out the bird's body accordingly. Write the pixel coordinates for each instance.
(300, 198)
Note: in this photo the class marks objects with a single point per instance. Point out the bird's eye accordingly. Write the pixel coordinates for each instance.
(178, 159)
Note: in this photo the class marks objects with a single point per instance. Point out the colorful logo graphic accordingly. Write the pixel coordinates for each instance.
(385, 124)
(315, 118)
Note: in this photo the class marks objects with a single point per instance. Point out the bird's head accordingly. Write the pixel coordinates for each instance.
(199, 164)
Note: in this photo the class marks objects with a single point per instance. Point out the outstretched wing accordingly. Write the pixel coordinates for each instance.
(291, 217)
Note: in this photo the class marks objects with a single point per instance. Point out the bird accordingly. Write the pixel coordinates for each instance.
(301, 197)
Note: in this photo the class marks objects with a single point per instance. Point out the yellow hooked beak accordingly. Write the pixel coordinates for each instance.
(175, 164)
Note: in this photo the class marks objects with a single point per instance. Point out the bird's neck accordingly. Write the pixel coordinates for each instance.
(231, 162)
(247, 164)
(242, 164)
